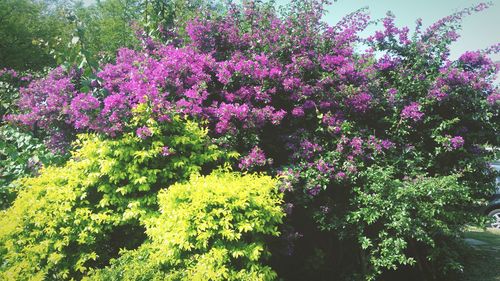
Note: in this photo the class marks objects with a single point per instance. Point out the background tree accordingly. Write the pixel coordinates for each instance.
(27, 28)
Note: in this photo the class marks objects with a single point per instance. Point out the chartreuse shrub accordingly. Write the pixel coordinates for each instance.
(211, 228)
(78, 216)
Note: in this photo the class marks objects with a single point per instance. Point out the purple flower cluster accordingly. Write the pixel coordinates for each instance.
(288, 178)
(143, 132)
(475, 59)
(454, 143)
(287, 87)
(255, 158)
(457, 142)
(166, 151)
(494, 99)
(82, 112)
(412, 111)
(391, 32)
(360, 102)
(8, 71)
(46, 99)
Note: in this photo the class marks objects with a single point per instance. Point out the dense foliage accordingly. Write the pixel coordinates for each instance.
(416, 214)
(20, 155)
(79, 215)
(379, 145)
(25, 27)
(21, 152)
(211, 228)
(37, 34)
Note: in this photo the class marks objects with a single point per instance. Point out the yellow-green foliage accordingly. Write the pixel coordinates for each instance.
(211, 228)
(78, 216)
(51, 230)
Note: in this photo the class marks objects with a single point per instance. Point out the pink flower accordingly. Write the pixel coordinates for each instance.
(412, 111)
(143, 132)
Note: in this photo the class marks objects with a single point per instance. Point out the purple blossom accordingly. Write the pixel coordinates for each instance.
(340, 175)
(7, 71)
(412, 111)
(291, 83)
(224, 75)
(494, 99)
(82, 109)
(308, 149)
(313, 191)
(356, 144)
(288, 177)
(475, 59)
(324, 168)
(437, 94)
(255, 158)
(387, 62)
(387, 144)
(456, 142)
(298, 112)
(143, 132)
(333, 121)
(360, 102)
(391, 32)
(166, 151)
(391, 95)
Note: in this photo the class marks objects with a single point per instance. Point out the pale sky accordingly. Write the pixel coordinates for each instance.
(480, 30)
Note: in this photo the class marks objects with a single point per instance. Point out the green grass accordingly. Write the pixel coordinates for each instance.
(483, 263)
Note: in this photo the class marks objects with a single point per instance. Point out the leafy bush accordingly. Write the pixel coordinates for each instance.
(301, 100)
(78, 216)
(211, 228)
(25, 26)
(21, 155)
(415, 216)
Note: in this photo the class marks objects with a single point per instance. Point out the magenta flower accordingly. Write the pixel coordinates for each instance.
(256, 157)
(143, 132)
(456, 142)
(494, 99)
(314, 190)
(340, 175)
(360, 102)
(166, 151)
(298, 112)
(412, 111)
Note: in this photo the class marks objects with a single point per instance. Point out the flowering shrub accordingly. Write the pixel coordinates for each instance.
(21, 152)
(297, 98)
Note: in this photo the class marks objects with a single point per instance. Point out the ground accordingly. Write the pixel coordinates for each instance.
(483, 264)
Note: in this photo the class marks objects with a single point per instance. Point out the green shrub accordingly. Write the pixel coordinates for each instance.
(212, 228)
(21, 155)
(78, 216)
(400, 222)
